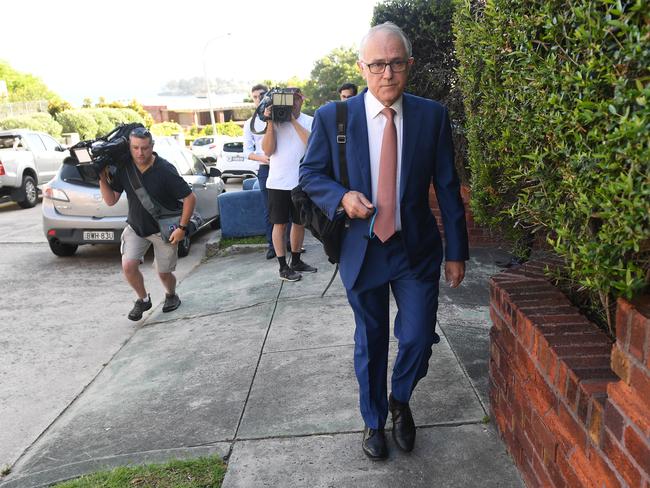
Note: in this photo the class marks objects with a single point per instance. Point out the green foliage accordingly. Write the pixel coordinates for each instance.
(120, 115)
(166, 129)
(57, 106)
(224, 129)
(104, 123)
(42, 122)
(428, 25)
(556, 95)
(330, 72)
(24, 87)
(79, 121)
(142, 117)
(90, 123)
(194, 473)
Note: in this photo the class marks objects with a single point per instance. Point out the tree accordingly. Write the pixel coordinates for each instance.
(338, 67)
(23, 87)
(428, 25)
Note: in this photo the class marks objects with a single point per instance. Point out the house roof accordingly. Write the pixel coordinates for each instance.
(192, 104)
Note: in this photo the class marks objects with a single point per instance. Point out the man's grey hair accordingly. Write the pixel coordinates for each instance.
(387, 27)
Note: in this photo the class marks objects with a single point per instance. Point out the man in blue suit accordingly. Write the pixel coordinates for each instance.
(397, 145)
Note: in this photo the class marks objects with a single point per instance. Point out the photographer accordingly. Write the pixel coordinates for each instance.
(285, 143)
(163, 183)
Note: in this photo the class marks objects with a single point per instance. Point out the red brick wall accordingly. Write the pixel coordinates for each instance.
(478, 236)
(573, 409)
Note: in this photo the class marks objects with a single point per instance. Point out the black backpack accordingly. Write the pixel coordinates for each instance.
(328, 232)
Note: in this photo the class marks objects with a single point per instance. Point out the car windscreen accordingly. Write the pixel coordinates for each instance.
(176, 156)
(202, 141)
(233, 147)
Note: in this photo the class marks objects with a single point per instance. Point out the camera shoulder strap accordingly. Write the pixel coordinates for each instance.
(341, 139)
(136, 183)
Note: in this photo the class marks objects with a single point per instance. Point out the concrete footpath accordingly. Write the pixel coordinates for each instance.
(260, 372)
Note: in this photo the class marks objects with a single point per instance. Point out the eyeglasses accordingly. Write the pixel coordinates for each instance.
(140, 132)
(395, 66)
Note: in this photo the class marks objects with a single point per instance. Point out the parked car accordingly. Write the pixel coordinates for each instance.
(27, 159)
(206, 148)
(74, 212)
(232, 164)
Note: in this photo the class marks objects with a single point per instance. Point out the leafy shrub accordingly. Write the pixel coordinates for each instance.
(42, 122)
(80, 121)
(556, 96)
(104, 123)
(225, 129)
(428, 25)
(166, 129)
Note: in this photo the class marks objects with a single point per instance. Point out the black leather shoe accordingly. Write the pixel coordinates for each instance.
(374, 444)
(270, 253)
(403, 424)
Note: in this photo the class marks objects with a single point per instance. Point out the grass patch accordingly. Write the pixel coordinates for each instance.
(5, 470)
(486, 419)
(231, 241)
(206, 472)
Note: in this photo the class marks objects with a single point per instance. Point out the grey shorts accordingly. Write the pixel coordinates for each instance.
(135, 247)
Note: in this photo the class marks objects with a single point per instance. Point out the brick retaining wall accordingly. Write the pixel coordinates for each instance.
(573, 408)
(478, 236)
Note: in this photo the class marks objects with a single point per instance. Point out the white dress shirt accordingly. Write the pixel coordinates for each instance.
(376, 123)
(253, 142)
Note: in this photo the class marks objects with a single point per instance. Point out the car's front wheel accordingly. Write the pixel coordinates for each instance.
(184, 247)
(29, 193)
(61, 249)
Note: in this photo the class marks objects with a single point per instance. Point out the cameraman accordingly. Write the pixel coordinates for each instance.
(163, 183)
(285, 143)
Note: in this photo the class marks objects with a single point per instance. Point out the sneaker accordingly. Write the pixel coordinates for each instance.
(172, 302)
(303, 267)
(287, 274)
(139, 307)
(270, 253)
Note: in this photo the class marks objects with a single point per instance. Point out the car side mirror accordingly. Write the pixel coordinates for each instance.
(214, 172)
(59, 149)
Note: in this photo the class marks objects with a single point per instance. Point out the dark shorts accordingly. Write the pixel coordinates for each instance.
(281, 208)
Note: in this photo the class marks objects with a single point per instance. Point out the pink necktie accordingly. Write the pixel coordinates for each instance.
(386, 188)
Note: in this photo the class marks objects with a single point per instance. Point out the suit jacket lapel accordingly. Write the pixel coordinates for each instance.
(358, 132)
(410, 132)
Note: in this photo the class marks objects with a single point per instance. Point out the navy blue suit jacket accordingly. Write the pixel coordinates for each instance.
(427, 156)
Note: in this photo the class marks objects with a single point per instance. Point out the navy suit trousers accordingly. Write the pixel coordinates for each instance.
(386, 267)
(262, 176)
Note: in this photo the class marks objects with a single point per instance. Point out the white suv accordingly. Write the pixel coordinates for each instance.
(206, 148)
(231, 161)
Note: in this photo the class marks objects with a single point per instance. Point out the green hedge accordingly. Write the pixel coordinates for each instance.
(42, 122)
(166, 129)
(557, 101)
(90, 123)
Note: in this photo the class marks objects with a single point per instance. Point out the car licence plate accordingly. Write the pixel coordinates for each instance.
(99, 236)
(237, 158)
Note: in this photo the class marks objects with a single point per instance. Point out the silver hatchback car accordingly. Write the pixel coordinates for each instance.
(75, 214)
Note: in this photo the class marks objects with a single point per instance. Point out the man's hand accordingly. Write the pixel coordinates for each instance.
(267, 111)
(356, 205)
(177, 236)
(454, 272)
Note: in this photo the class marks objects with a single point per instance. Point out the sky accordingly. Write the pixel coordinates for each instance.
(123, 49)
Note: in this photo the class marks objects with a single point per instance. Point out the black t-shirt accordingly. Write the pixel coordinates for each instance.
(164, 185)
